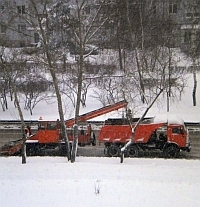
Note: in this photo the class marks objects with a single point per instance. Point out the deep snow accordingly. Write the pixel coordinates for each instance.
(99, 182)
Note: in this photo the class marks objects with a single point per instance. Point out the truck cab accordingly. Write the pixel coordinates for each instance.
(178, 134)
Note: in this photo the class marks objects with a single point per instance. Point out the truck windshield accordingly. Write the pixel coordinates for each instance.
(51, 125)
(177, 130)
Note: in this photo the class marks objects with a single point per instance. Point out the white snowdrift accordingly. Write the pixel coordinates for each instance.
(99, 182)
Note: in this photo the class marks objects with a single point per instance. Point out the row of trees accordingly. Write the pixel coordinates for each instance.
(140, 69)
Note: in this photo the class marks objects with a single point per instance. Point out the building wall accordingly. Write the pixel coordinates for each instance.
(15, 32)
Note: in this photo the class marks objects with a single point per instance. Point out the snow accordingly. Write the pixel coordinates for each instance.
(182, 108)
(52, 181)
(168, 118)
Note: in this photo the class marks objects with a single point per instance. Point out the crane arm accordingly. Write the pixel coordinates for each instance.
(98, 112)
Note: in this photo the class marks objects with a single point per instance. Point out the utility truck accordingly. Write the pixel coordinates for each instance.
(49, 136)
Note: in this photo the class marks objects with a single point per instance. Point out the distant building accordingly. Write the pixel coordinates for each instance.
(175, 22)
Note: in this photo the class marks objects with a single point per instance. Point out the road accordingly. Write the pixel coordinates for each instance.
(99, 150)
(7, 134)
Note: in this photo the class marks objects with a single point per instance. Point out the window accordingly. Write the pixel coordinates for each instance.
(41, 16)
(21, 9)
(41, 125)
(36, 37)
(87, 10)
(154, 9)
(173, 8)
(22, 28)
(66, 9)
(51, 125)
(177, 130)
(187, 36)
(191, 15)
(22, 44)
(2, 8)
(111, 1)
(2, 28)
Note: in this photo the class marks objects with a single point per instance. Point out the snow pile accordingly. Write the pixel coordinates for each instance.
(51, 181)
(168, 118)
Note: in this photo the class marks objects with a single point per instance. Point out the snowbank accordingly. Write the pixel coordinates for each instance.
(99, 182)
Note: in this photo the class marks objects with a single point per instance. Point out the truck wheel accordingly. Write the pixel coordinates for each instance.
(133, 151)
(171, 152)
(113, 151)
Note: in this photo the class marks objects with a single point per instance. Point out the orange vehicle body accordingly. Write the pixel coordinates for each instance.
(49, 135)
(49, 131)
(170, 138)
(122, 133)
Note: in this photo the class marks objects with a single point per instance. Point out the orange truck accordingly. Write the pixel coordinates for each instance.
(168, 136)
(48, 137)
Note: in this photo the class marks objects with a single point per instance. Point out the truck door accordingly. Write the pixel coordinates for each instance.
(178, 135)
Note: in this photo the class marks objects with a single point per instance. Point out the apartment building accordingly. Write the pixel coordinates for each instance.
(14, 31)
(181, 18)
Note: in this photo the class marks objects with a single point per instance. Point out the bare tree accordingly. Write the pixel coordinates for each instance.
(191, 38)
(37, 18)
(136, 126)
(33, 91)
(84, 27)
(13, 70)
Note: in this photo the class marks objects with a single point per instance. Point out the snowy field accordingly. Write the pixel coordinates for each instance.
(99, 182)
(48, 110)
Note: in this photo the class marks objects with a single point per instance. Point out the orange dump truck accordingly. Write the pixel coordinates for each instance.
(169, 136)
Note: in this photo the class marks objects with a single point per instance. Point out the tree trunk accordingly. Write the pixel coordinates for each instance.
(60, 110)
(140, 77)
(56, 87)
(135, 127)
(16, 101)
(22, 126)
(194, 89)
(78, 102)
(119, 50)
(80, 80)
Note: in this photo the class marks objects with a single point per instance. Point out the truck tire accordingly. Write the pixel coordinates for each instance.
(133, 151)
(113, 151)
(171, 152)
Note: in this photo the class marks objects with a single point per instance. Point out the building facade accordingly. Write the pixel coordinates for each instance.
(176, 21)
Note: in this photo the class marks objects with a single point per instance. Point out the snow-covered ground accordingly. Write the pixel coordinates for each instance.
(99, 182)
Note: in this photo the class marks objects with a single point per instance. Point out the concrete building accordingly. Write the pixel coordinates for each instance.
(14, 30)
(181, 18)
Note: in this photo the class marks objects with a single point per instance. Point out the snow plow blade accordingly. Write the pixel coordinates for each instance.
(11, 148)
